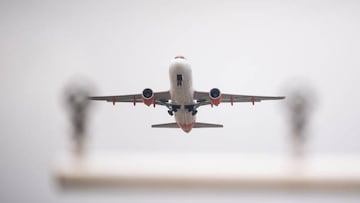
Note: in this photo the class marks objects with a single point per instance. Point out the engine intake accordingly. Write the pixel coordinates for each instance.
(215, 96)
(148, 96)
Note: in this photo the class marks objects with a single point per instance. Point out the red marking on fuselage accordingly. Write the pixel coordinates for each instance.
(113, 101)
(186, 127)
(253, 100)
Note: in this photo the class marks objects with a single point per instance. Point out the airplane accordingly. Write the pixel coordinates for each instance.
(182, 101)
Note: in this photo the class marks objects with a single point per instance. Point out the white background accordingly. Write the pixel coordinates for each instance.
(245, 47)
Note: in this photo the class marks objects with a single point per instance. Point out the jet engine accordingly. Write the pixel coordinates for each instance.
(148, 96)
(215, 96)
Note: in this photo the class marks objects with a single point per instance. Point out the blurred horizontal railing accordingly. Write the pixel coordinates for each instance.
(207, 170)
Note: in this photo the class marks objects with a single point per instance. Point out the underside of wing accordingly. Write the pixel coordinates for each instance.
(157, 97)
(231, 98)
(118, 98)
(247, 98)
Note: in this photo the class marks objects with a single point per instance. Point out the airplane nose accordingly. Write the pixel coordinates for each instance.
(179, 57)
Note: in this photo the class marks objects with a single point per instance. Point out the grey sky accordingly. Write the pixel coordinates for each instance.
(245, 47)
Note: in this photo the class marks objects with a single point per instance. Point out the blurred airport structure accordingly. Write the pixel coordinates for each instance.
(76, 95)
(301, 101)
(205, 170)
(307, 154)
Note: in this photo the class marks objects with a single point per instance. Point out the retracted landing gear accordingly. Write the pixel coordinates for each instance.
(173, 109)
(191, 109)
(171, 113)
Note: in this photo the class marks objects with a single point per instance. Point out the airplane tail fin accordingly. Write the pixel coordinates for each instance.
(196, 125)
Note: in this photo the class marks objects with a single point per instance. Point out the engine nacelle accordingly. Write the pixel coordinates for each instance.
(148, 96)
(215, 96)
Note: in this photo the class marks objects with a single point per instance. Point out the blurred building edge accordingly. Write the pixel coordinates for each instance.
(76, 93)
(204, 170)
(301, 101)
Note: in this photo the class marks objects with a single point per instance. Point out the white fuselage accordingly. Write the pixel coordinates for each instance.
(181, 92)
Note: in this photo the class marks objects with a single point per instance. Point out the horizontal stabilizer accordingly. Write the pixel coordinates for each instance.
(196, 125)
(165, 125)
(207, 125)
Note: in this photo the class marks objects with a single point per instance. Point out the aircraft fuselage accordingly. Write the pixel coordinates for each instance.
(181, 92)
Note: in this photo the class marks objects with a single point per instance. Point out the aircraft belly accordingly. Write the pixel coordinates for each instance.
(181, 91)
(184, 117)
(183, 97)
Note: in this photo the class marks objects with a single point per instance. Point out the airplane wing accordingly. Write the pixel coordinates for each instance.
(203, 98)
(161, 98)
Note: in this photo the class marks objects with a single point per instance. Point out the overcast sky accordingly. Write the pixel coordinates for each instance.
(244, 47)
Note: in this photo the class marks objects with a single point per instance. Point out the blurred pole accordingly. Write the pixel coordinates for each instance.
(298, 107)
(77, 103)
(300, 103)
